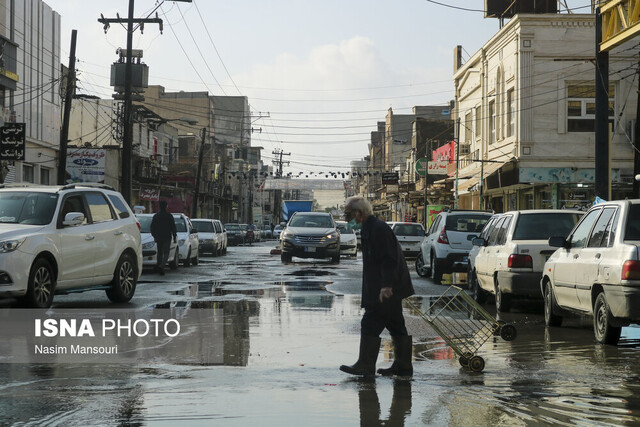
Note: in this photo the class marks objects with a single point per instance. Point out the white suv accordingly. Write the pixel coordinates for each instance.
(61, 239)
(596, 270)
(445, 249)
(188, 243)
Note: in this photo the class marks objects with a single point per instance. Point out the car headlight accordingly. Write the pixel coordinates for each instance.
(148, 245)
(333, 235)
(181, 242)
(10, 245)
(286, 235)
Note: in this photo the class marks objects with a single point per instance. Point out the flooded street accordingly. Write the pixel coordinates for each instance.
(285, 329)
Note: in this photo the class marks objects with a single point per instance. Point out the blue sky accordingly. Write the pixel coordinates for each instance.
(325, 72)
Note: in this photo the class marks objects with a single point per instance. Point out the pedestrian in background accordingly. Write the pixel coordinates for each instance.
(163, 229)
(385, 283)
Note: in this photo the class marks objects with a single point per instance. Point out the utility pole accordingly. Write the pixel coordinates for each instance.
(636, 144)
(278, 196)
(194, 208)
(457, 142)
(68, 97)
(602, 168)
(127, 122)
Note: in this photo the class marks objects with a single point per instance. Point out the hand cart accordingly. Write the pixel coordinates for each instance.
(464, 325)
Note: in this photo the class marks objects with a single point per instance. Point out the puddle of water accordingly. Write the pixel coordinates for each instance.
(306, 285)
(316, 273)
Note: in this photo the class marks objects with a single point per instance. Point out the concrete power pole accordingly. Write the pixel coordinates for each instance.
(68, 98)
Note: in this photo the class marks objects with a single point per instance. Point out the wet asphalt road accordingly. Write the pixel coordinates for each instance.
(287, 328)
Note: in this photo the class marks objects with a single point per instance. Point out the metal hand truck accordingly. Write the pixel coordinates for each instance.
(464, 325)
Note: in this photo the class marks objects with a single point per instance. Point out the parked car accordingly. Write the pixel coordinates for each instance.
(235, 233)
(266, 231)
(310, 235)
(596, 270)
(409, 235)
(223, 236)
(477, 292)
(348, 240)
(445, 249)
(60, 239)
(187, 240)
(276, 231)
(209, 238)
(510, 261)
(149, 247)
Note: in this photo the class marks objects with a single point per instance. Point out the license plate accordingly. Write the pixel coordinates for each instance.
(309, 249)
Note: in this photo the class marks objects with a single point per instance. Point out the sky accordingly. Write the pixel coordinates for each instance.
(319, 75)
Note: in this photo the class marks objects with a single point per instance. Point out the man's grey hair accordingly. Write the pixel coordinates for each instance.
(359, 203)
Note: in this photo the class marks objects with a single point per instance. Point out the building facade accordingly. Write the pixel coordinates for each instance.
(525, 114)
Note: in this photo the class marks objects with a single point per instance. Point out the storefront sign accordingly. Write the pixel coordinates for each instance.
(447, 152)
(151, 194)
(432, 212)
(392, 188)
(86, 165)
(12, 141)
(438, 167)
(390, 178)
(562, 175)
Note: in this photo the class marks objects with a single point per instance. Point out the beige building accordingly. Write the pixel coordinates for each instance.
(525, 105)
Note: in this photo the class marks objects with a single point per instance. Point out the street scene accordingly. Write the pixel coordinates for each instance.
(339, 213)
(289, 327)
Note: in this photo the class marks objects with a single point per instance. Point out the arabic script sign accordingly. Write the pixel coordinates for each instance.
(86, 165)
(12, 141)
(152, 194)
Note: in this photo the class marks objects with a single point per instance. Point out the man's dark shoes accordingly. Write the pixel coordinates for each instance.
(402, 349)
(161, 271)
(366, 364)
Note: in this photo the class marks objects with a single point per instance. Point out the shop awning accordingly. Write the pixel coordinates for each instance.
(489, 169)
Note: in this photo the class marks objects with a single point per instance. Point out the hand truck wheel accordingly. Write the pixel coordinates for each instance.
(476, 364)
(508, 332)
(464, 359)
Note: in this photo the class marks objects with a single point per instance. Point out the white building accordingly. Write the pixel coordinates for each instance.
(526, 102)
(30, 86)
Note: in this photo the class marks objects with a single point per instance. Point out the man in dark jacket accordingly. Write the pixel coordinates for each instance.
(385, 283)
(163, 228)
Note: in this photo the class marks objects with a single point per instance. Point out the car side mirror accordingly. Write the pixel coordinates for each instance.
(471, 237)
(479, 241)
(558, 242)
(73, 218)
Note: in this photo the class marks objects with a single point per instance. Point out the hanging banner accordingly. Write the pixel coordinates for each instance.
(12, 141)
(438, 167)
(151, 194)
(86, 165)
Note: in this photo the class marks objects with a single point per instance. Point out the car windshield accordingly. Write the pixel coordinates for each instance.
(311, 221)
(232, 226)
(467, 223)
(145, 223)
(408, 230)
(203, 226)
(345, 228)
(632, 231)
(24, 207)
(181, 225)
(541, 226)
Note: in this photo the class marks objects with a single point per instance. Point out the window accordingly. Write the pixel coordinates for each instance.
(121, 208)
(492, 121)
(488, 228)
(493, 236)
(599, 235)
(468, 131)
(580, 234)
(27, 173)
(511, 113)
(478, 122)
(632, 230)
(72, 204)
(504, 228)
(468, 223)
(581, 106)
(99, 207)
(541, 226)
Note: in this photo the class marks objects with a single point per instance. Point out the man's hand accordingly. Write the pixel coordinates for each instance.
(385, 293)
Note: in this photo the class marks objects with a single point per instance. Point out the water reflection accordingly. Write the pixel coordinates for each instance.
(400, 409)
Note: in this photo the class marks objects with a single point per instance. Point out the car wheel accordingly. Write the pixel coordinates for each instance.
(41, 285)
(436, 273)
(479, 294)
(123, 285)
(604, 331)
(286, 258)
(420, 268)
(174, 262)
(503, 300)
(196, 260)
(550, 318)
(187, 260)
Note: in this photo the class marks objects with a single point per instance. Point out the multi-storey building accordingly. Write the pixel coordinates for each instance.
(30, 77)
(525, 113)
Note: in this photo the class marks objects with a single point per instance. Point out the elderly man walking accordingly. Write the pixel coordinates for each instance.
(385, 283)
